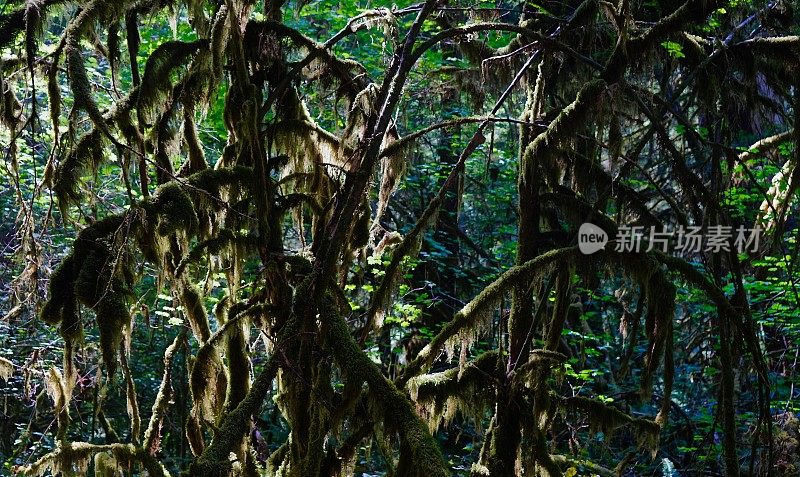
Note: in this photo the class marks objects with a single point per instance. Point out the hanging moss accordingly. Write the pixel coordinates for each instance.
(57, 392)
(6, 369)
(236, 353)
(94, 276)
(33, 30)
(72, 458)
(54, 102)
(469, 390)
(208, 379)
(660, 294)
(197, 159)
(105, 465)
(543, 147)
(81, 87)
(540, 359)
(166, 137)
(605, 418)
(208, 383)
(469, 319)
(214, 459)
(208, 185)
(71, 325)
(161, 64)
(224, 240)
(61, 290)
(292, 201)
(112, 316)
(409, 246)
(309, 149)
(87, 153)
(393, 167)
(173, 209)
(91, 274)
(419, 453)
(195, 311)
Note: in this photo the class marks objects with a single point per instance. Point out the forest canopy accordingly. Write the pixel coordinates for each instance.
(340, 237)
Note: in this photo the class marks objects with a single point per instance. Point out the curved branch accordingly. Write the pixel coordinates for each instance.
(727, 310)
(479, 305)
(545, 40)
(398, 145)
(75, 452)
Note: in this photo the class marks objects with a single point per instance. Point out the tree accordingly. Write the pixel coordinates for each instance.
(623, 114)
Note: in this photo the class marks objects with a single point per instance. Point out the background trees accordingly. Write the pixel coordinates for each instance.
(334, 238)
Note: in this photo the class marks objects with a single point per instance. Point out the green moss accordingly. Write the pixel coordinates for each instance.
(100, 229)
(62, 290)
(420, 455)
(173, 209)
(213, 180)
(658, 323)
(71, 325)
(605, 418)
(469, 390)
(79, 81)
(105, 465)
(54, 100)
(88, 152)
(161, 64)
(93, 277)
(195, 311)
(473, 313)
(197, 158)
(242, 243)
(112, 316)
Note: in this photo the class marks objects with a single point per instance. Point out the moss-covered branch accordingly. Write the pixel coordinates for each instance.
(605, 418)
(566, 462)
(152, 435)
(464, 389)
(214, 460)
(473, 313)
(419, 453)
(73, 459)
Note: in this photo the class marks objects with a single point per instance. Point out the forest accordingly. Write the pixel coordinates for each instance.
(428, 238)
